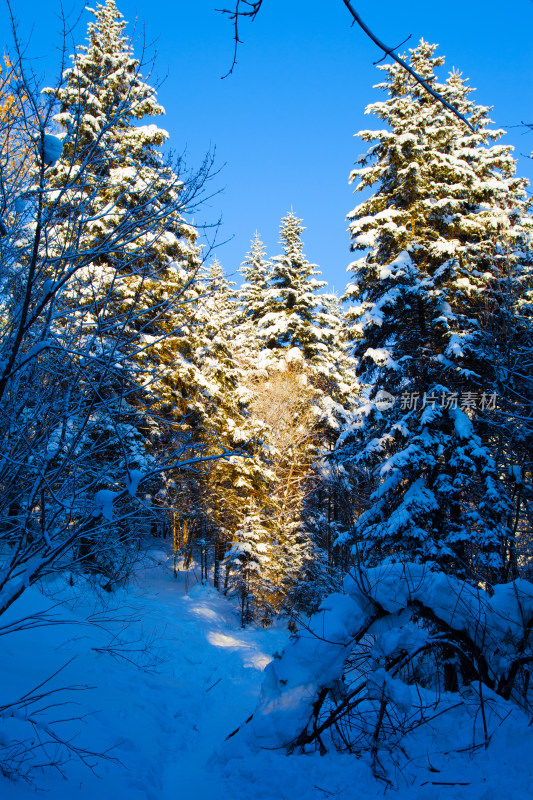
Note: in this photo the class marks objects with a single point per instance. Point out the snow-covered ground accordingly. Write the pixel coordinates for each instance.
(164, 726)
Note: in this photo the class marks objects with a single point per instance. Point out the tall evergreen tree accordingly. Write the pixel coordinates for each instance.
(256, 271)
(284, 308)
(443, 227)
(300, 381)
(131, 306)
(102, 100)
(293, 315)
(232, 495)
(135, 295)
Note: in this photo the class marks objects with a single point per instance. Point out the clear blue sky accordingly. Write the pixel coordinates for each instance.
(283, 123)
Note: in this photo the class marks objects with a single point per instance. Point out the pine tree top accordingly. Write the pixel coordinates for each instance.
(105, 82)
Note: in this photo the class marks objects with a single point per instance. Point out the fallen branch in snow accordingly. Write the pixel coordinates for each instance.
(233, 733)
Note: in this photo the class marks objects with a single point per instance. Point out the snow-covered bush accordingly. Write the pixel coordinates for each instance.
(403, 647)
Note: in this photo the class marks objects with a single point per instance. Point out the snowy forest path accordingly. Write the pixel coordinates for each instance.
(201, 678)
(216, 670)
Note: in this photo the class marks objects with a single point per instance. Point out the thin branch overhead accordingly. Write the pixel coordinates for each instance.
(390, 52)
(250, 9)
(234, 16)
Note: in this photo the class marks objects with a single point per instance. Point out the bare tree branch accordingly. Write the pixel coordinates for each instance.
(253, 8)
(390, 52)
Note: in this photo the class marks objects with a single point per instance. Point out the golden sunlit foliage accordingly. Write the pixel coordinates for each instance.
(15, 138)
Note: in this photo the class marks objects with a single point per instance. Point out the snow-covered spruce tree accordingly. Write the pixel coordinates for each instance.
(256, 271)
(68, 418)
(139, 283)
(296, 314)
(226, 486)
(251, 567)
(289, 341)
(101, 101)
(132, 300)
(292, 315)
(443, 227)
